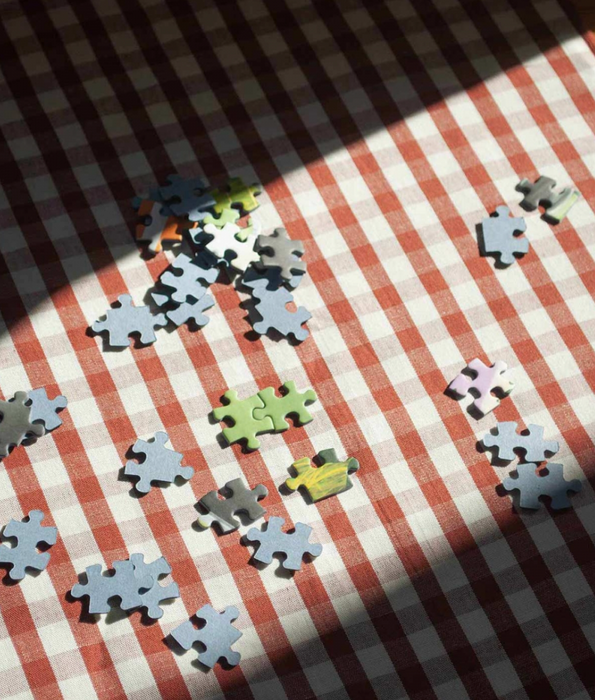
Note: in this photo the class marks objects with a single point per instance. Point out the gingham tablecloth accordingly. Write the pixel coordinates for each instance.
(383, 133)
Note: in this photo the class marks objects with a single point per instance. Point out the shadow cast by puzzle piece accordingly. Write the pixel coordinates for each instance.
(6, 568)
(284, 490)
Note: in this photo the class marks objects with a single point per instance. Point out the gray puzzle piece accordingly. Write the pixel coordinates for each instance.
(44, 410)
(498, 235)
(507, 440)
(16, 423)
(557, 204)
(125, 320)
(272, 307)
(217, 635)
(160, 464)
(532, 485)
(29, 533)
(294, 545)
(242, 500)
(186, 312)
(124, 584)
(152, 598)
(278, 251)
(269, 279)
(187, 286)
(190, 198)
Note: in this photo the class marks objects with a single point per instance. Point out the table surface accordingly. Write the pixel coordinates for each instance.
(383, 133)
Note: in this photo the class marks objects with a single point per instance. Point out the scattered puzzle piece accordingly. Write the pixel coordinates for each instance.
(44, 410)
(186, 312)
(126, 320)
(532, 486)
(290, 403)
(236, 195)
(507, 440)
(556, 204)
(273, 540)
(271, 305)
(245, 425)
(154, 596)
(499, 236)
(487, 379)
(242, 500)
(157, 227)
(29, 533)
(330, 478)
(160, 463)
(16, 424)
(123, 584)
(217, 636)
(226, 246)
(278, 251)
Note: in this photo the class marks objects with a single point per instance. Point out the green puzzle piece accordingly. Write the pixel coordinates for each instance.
(245, 425)
(330, 478)
(227, 216)
(291, 402)
(236, 194)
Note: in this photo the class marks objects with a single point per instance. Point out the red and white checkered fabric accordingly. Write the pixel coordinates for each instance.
(383, 133)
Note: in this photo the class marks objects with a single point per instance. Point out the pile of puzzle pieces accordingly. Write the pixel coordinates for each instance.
(500, 232)
(134, 583)
(207, 223)
(26, 416)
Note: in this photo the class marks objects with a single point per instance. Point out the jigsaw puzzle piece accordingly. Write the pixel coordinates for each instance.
(187, 197)
(217, 636)
(278, 251)
(486, 380)
(245, 425)
(127, 319)
(542, 191)
(237, 195)
(16, 424)
(532, 485)
(44, 410)
(273, 540)
(507, 440)
(160, 464)
(290, 403)
(29, 534)
(499, 236)
(331, 478)
(271, 305)
(226, 246)
(242, 500)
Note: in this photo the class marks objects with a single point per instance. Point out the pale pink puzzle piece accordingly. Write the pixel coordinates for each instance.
(486, 380)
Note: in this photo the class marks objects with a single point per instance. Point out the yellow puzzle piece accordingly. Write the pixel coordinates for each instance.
(327, 480)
